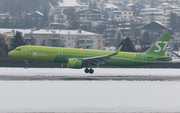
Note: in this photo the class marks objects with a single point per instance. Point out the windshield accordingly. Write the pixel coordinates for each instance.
(17, 49)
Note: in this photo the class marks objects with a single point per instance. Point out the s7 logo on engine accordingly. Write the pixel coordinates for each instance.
(159, 47)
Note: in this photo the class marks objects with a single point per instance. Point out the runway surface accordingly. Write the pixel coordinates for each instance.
(100, 74)
(89, 96)
(80, 72)
(72, 91)
(99, 78)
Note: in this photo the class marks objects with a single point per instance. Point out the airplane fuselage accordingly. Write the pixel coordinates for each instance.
(61, 55)
(84, 58)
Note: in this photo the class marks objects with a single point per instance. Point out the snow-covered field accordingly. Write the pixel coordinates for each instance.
(80, 72)
(89, 96)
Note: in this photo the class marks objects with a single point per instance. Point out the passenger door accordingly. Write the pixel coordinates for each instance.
(60, 54)
(144, 58)
(27, 50)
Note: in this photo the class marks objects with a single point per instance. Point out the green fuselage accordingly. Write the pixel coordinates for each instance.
(61, 55)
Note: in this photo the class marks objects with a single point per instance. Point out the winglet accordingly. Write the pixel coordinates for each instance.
(117, 51)
(99, 47)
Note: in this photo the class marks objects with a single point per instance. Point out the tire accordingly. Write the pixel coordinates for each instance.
(91, 71)
(86, 70)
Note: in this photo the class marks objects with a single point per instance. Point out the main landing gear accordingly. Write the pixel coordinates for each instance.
(91, 71)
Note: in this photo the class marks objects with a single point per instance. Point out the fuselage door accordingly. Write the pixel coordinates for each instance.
(144, 58)
(27, 50)
(60, 52)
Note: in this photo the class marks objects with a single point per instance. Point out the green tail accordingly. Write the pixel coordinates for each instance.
(159, 48)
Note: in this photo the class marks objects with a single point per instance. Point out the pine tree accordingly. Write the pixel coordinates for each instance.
(17, 40)
(128, 46)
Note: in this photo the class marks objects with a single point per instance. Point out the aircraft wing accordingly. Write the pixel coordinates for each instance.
(99, 59)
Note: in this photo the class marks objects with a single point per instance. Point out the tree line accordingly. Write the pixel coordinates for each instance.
(15, 42)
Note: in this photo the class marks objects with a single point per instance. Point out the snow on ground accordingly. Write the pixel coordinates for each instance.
(89, 96)
(80, 72)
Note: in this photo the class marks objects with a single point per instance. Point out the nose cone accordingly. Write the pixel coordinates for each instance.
(10, 54)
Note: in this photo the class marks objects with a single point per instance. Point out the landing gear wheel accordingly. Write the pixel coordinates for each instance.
(86, 70)
(91, 71)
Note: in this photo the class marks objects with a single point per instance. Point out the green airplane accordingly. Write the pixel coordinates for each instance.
(85, 58)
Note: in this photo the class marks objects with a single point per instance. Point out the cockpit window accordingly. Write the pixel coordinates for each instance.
(17, 49)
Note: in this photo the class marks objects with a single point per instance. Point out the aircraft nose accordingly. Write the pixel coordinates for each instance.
(10, 54)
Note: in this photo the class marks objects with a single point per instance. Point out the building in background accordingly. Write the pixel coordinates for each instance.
(121, 14)
(59, 11)
(153, 14)
(58, 38)
(114, 1)
(65, 38)
(90, 14)
(36, 15)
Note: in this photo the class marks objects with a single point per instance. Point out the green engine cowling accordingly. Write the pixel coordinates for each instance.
(74, 63)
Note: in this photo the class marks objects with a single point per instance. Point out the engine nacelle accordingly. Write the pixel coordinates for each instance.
(74, 63)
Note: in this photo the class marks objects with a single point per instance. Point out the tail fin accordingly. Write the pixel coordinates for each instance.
(160, 46)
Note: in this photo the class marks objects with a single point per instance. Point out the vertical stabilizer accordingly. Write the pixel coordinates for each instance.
(159, 48)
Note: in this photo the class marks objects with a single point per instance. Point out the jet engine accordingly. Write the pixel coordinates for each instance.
(74, 63)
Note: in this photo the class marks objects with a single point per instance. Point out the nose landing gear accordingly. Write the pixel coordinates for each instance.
(26, 66)
(91, 71)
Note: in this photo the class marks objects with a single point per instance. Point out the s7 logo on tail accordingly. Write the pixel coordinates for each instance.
(159, 47)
